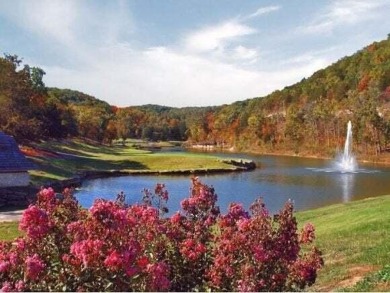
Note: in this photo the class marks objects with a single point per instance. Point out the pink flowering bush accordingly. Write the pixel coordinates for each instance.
(116, 247)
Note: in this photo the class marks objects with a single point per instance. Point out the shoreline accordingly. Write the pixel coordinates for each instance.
(17, 198)
(237, 166)
(359, 160)
(232, 150)
(20, 198)
(14, 213)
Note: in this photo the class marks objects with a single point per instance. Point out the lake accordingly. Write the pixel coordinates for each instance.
(309, 183)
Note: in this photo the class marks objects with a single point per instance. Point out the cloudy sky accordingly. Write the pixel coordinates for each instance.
(186, 52)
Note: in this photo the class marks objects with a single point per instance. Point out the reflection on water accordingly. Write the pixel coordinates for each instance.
(347, 184)
(310, 183)
(345, 179)
(336, 170)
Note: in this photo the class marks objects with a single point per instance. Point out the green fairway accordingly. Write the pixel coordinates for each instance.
(77, 156)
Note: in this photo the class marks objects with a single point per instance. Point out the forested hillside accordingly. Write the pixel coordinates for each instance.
(32, 112)
(308, 117)
(311, 116)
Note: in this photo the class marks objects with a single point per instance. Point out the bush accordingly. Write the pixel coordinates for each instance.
(115, 247)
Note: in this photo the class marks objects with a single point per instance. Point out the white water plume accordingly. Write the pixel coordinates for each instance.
(347, 162)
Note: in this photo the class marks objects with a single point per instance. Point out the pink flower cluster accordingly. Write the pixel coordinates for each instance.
(116, 247)
(201, 203)
(87, 251)
(307, 233)
(35, 222)
(19, 286)
(192, 250)
(109, 213)
(158, 276)
(125, 260)
(46, 195)
(161, 192)
(34, 266)
(4, 266)
(157, 199)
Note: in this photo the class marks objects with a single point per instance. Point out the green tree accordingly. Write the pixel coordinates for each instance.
(36, 75)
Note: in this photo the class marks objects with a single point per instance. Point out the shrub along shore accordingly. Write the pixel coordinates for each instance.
(354, 238)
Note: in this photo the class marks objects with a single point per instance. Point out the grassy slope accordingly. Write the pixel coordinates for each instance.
(82, 156)
(355, 240)
(354, 237)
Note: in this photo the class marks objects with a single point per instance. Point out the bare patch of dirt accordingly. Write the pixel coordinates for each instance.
(35, 152)
(349, 279)
(355, 274)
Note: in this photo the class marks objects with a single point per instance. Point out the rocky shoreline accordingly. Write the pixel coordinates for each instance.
(17, 197)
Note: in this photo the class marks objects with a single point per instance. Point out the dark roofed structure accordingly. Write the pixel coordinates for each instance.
(13, 164)
(11, 158)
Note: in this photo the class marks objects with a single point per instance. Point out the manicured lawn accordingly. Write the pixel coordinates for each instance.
(9, 230)
(77, 156)
(355, 240)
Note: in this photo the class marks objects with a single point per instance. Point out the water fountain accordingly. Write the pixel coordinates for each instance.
(347, 162)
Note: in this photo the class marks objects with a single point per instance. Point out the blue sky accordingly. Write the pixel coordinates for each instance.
(185, 52)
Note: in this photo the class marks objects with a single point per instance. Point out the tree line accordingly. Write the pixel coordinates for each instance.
(35, 112)
(309, 116)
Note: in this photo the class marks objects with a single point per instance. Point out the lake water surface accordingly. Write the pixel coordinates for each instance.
(310, 183)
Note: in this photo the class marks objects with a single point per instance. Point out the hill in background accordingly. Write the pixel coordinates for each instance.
(308, 117)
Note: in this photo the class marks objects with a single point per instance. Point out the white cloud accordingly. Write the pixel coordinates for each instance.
(243, 53)
(46, 18)
(175, 76)
(263, 10)
(158, 75)
(345, 12)
(164, 76)
(216, 37)
(123, 75)
(325, 56)
(70, 23)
